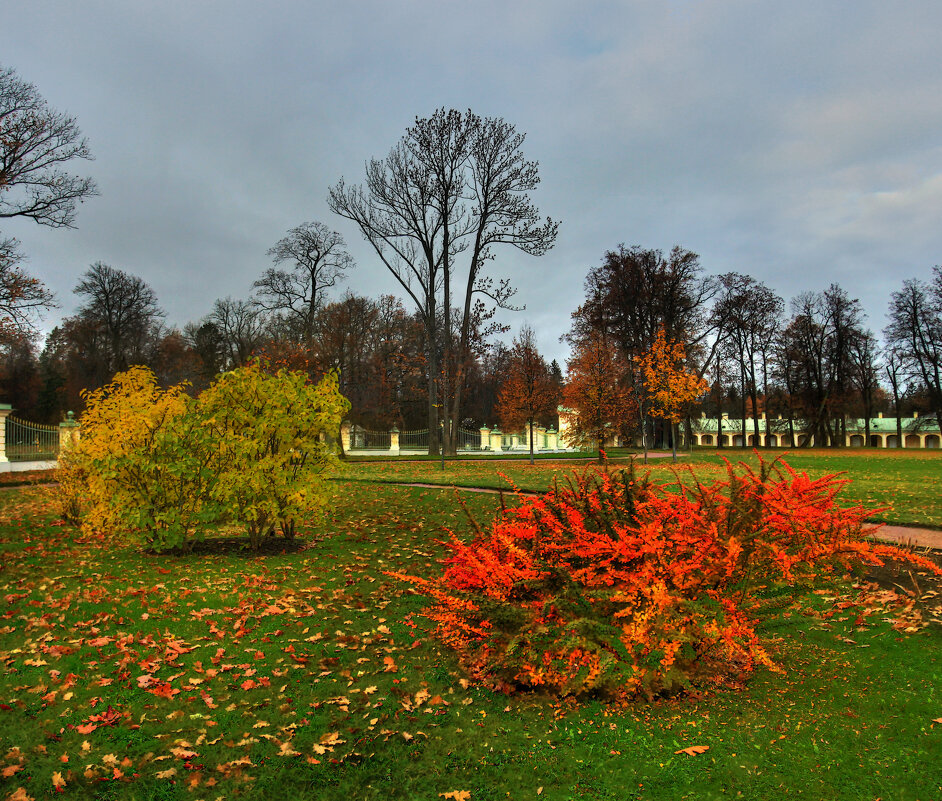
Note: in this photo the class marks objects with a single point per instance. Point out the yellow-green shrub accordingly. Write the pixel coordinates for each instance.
(272, 434)
(252, 449)
(144, 461)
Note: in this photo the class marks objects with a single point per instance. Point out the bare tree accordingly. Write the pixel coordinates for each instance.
(22, 297)
(915, 332)
(241, 327)
(123, 311)
(452, 190)
(35, 141)
(318, 259)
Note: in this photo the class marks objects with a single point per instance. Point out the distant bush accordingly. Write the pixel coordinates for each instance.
(619, 586)
(161, 464)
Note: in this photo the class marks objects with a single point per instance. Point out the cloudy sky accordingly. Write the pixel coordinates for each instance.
(798, 142)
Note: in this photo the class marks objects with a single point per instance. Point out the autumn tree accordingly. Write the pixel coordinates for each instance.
(449, 194)
(671, 386)
(636, 291)
(597, 393)
(528, 391)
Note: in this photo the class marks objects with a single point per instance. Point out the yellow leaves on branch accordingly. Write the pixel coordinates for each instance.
(670, 386)
(253, 448)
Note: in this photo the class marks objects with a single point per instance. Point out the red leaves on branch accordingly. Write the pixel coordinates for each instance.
(613, 584)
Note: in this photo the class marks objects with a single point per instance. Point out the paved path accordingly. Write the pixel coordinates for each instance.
(903, 535)
(910, 535)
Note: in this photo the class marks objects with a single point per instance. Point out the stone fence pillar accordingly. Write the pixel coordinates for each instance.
(394, 441)
(69, 432)
(485, 438)
(496, 443)
(345, 435)
(552, 439)
(5, 410)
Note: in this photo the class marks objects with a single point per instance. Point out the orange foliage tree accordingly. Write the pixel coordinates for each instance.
(528, 392)
(670, 386)
(619, 586)
(597, 391)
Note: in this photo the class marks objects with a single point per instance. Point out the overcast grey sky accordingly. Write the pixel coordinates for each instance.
(798, 142)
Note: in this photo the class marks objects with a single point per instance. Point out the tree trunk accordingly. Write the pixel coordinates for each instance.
(531, 440)
(673, 430)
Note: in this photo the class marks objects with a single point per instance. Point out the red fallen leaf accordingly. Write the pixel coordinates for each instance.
(98, 642)
(390, 664)
(9, 770)
(163, 690)
(248, 684)
(693, 750)
(162, 570)
(86, 728)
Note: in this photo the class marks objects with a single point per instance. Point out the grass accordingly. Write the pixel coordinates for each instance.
(308, 674)
(898, 480)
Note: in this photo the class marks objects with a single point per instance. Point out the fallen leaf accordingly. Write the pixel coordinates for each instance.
(457, 795)
(693, 750)
(166, 774)
(57, 781)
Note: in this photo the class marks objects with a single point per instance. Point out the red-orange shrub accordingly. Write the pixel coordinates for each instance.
(617, 585)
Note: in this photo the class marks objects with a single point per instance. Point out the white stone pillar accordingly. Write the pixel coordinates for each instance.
(496, 443)
(5, 411)
(394, 441)
(485, 438)
(552, 439)
(345, 435)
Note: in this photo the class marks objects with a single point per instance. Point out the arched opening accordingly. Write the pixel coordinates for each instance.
(857, 441)
(706, 439)
(726, 439)
(786, 441)
(892, 442)
(752, 440)
(802, 439)
(737, 441)
(771, 440)
(875, 441)
(913, 441)
(932, 441)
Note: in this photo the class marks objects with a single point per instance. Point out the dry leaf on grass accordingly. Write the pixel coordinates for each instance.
(693, 750)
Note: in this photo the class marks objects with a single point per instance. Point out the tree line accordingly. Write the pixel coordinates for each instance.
(451, 194)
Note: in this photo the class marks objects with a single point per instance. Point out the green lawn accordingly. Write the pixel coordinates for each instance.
(309, 674)
(905, 481)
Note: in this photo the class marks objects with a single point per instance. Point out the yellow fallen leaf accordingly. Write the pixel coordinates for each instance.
(457, 795)
(57, 781)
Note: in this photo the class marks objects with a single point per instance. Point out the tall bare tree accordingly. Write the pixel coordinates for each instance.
(454, 188)
(317, 259)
